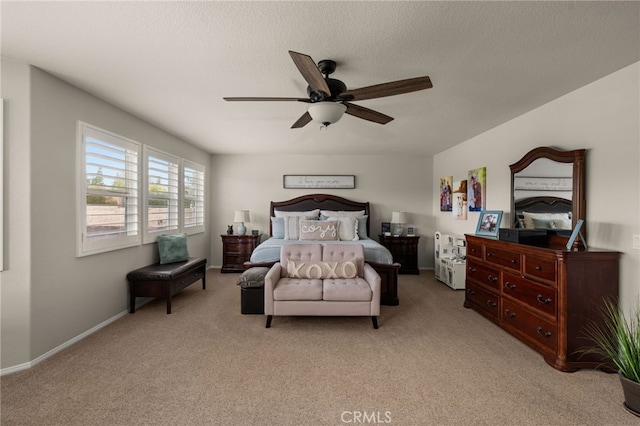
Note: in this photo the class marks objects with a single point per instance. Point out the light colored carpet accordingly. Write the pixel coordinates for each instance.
(432, 362)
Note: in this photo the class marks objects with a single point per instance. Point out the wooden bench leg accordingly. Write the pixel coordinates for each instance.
(132, 299)
(204, 278)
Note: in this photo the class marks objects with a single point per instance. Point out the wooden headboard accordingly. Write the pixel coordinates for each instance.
(318, 201)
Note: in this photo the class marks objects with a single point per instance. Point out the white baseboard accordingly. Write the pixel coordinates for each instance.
(28, 365)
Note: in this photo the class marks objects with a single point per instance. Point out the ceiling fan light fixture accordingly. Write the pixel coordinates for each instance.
(326, 113)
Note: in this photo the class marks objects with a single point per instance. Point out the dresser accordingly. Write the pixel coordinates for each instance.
(237, 249)
(542, 296)
(404, 251)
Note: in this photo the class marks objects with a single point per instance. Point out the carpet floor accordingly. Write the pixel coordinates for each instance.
(431, 362)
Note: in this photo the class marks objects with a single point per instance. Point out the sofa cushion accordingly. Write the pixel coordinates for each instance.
(319, 230)
(297, 289)
(344, 252)
(346, 289)
(306, 252)
(321, 270)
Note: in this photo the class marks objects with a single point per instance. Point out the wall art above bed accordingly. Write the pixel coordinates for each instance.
(319, 181)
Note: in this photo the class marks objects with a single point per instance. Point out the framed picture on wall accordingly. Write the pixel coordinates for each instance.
(489, 223)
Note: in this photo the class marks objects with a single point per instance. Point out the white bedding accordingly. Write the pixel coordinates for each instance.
(269, 250)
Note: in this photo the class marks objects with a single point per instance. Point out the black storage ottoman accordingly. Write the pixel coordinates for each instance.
(252, 290)
(252, 300)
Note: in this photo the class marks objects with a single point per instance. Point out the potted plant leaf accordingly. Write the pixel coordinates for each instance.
(618, 339)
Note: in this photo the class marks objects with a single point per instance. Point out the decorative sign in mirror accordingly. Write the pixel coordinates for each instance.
(547, 190)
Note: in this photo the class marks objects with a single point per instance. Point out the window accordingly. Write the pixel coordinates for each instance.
(161, 194)
(108, 186)
(193, 197)
(112, 215)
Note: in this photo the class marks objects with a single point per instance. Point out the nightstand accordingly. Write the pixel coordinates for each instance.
(404, 251)
(237, 249)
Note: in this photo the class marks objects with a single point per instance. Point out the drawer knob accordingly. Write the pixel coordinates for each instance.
(492, 303)
(472, 270)
(538, 268)
(488, 254)
(509, 313)
(543, 301)
(509, 285)
(492, 278)
(543, 333)
(513, 261)
(471, 292)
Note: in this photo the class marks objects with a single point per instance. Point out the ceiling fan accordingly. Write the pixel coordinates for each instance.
(329, 98)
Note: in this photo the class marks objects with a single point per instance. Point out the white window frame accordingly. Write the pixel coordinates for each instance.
(86, 246)
(200, 197)
(172, 197)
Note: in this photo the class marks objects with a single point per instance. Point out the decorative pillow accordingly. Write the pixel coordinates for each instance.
(311, 214)
(551, 223)
(322, 230)
(348, 229)
(277, 227)
(173, 248)
(528, 218)
(362, 227)
(321, 270)
(291, 227)
(253, 277)
(341, 213)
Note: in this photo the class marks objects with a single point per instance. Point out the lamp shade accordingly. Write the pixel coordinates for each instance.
(326, 112)
(241, 216)
(398, 217)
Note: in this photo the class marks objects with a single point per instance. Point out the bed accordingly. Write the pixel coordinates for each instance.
(268, 252)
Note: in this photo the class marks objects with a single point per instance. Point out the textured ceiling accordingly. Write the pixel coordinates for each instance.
(171, 63)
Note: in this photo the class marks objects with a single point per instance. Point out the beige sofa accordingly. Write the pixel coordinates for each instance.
(322, 280)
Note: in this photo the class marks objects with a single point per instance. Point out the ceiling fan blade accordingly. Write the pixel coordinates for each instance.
(266, 99)
(366, 113)
(387, 89)
(310, 72)
(302, 121)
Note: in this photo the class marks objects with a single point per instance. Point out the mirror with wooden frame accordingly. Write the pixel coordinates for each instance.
(547, 190)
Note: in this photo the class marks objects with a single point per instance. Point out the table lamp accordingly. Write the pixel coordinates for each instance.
(398, 219)
(242, 216)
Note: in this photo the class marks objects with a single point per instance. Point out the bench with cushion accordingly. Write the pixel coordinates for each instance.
(165, 280)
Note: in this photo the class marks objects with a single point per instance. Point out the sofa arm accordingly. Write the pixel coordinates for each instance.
(270, 281)
(374, 280)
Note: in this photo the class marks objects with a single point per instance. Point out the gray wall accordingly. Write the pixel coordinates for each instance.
(602, 117)
(389, 183)
(67, 295)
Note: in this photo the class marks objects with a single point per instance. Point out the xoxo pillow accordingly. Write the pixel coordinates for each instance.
(321, 270)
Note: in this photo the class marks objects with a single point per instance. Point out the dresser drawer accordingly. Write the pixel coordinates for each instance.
(539, 297)
(474, 250)
(540, 268)
(534, 329)
(506, 258)
(483, 299)
(483, 274)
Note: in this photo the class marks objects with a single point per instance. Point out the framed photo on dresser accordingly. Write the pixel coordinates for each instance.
(489, 223)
